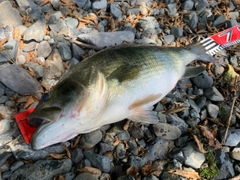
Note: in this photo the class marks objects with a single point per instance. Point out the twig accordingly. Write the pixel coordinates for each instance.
(86, 45)
(231, 112)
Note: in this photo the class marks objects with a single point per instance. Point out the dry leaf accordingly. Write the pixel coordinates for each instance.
(68, 152)
(132, 171)
(59, 178)
(57, 156)
(90, 170)
(43, 2)
(22, 99)
(230, 75)
(235, 178)
(126, 126)
(75, 143)
(185, 173)
(30, 101)
(199, 144)
(147, 169)
(212, 141)
(117, 141)
(1, 117)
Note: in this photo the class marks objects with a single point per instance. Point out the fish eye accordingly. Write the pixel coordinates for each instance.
(45, 96)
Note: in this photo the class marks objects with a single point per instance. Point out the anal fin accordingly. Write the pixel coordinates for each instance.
(144, 115)
(193, 71)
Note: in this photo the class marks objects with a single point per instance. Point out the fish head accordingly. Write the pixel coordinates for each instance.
(57, 114)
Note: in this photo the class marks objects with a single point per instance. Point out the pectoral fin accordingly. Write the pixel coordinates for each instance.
(193, 71)
(144, 115)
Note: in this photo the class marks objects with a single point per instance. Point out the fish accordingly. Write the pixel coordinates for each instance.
(121, 82)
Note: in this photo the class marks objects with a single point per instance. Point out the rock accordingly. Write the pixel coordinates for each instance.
(77, 51)
(37, 69)
(54, 18)
(187, 5)
(156, 151)
(177, 32)
(233, 137)
(42, 169)
(115, 10)
(233, 15)
(6, 174)
(44, 49)
(30, 46)
(231, 23)
(102, 4)
(73, 62)
(35, 31)
(120, 151)
(16, 165)
(98, 161)
(86, 176)
(134, 11)
(224, 164)
(200, 102)
(191, 19)
(136, 132)
(133, 147)
(123, 136)
(194, 158)
(69, 176)
(71, 22)
(213, 110)
(76, 155)
(213, 94)
(148, 22)
(64, 51)
(194, 105)
(4, 156)
(151, 34)
(126, 177)
(172, 9)
(166, 131)
(178, 122)
(4, 125)
(219, 20)
(36, 13)
(168, 39)
(55, 3)
(9, 16)
(150, 177)
(89, 140)
(101, 39)
(10, 50)
(104, 147)
(201, 5)
(2, 89)
(24, 84)
(203, 19)
(235, 154)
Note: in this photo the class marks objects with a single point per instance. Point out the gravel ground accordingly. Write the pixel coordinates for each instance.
(40, 40)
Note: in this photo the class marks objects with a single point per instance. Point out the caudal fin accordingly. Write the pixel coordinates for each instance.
(215, 43)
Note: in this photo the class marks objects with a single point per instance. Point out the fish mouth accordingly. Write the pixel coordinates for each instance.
(44, 116)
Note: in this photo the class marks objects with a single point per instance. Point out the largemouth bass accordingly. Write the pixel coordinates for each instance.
(112, 85)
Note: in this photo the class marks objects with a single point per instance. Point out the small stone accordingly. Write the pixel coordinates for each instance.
(76, 155)
(42, 169)
(86, 176)
(55, 3)
(235, 154)
(177, 32)
(233, 15)
(200, 102)
(150, 177)
(44, 49)
(3, 157)
(35, 31)
(73, 62)
(233, 137)
(201, 5)
(9, 16)
(102, 4)
(213, 110)
(133, 147)
(2, 89)
(10, 50)
(101, 39)
(124, 135)
(136, 161)
(115, 10)
(89, 140)
(4, 125)
(37, 69)
(16, 165)
(231, 23)
(126, 177)
(98, 161)
(6, 174)
(71, 22)
(168, 39)
(191, 19)
(86, 163)
(134, 11)
(69, 176)
(104, 147)
(80, 3)
(36, 13)
(148, 22)
(194, 158)
(30, 46)
(120, 151)
(187, 5)
(136, 132)
(64, 51)
(9, 92)
(77, 51)
(219, 20)
(172, 9)
(180, 123)
(166, 131)
(213, 94)
(8, 74)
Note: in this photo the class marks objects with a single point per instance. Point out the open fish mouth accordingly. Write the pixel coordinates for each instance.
(43, 116)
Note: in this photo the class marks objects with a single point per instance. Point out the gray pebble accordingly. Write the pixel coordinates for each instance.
(35, 31)
(76, 51)
(102, 4)
(37, 69)
(180, 123)
(73, 62)
(98, 161)
(120, 151)
(219, 20)
(64, 51)
(44, 49)
(115, 10)
(194, 105)
(172, 9)
(76, 155)
(233, 137)
(30, 46)
(234, 60)
(87, 5)
(104, 147)
(71, 22)
(150, 177)
(168, 39)
(166, 131)
(177, 32)
(231, 23)
(86, 163)
(126, 177)
(187, 5)
(201, 5)
(213, 94)
(134, 11)
(194, 158)
(16, 165)
(213, 110)
(148, 22)
(191, 19)
(124, 135)
(136, 132)
(57, 26)
(233, 15)
(9, 92)
(42, 169)
(3, 157)
(200, 102)
(80, 3)
(2, 89)
(133, 148)
(89, 140)
(86, 176)
(10, 50)
(6, 174)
